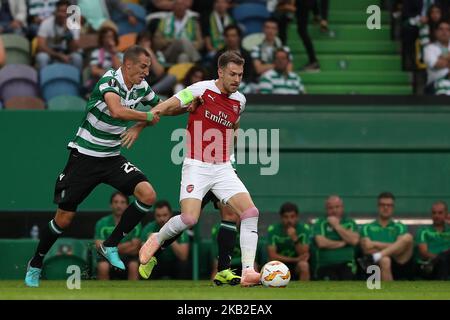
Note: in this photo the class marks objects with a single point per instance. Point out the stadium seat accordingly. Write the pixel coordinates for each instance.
(126, 41)
(179, 70)
(19, 103)
(64, 253)
(59, 79)
(18, 80)
(17, 49)
(251, 16)
(122, 22)
(64, 103)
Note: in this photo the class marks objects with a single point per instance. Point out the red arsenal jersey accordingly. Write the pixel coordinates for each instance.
(210, 127)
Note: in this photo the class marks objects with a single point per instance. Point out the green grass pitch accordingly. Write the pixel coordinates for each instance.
(205, 290)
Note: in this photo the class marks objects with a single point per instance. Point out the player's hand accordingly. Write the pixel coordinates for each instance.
(197, 102)
(155, 117)
(292, 233)
(130, 136)
(333, 221)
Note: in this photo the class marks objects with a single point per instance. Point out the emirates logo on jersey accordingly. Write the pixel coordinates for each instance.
(190, 188)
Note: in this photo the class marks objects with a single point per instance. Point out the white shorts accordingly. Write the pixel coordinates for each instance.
(198, 177)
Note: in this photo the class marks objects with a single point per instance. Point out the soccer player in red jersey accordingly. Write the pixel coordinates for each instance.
(211, 127)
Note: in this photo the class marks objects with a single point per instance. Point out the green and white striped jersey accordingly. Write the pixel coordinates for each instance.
(273, 82)
(99, 133)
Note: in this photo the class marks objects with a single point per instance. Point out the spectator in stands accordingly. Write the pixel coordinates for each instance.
(288, 241)
(263, 54)
(303, 8)
(158, 5)
(2, 53)
(387, 243)
(437, 59)
(232, 35)
(414, 14)
(98, 12)
(321, 11)
(13, 16)
(433, 244)
(173, 261)
(235, 264)
(335, 236)
(427, 30)
(283, 12)
(57, 43)
(179, 34)
(128, 247)
(213, 26)
(104, 58)
(280, 80)
(38, 11)
(195, 74)
(161, 82)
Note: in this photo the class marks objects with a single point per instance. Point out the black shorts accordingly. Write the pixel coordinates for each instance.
(403, 271)
(83, 173)
(116, 274)
(210, 196)
(341, 271)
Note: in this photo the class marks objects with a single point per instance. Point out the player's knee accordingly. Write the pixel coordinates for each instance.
(147, 196)
(408, 238)
(303, 266)
(251, 212)
(385, 262)
(189, 219)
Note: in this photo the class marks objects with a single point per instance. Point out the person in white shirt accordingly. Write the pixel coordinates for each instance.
(437, 59)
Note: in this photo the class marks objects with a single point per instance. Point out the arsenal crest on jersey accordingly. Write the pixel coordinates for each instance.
(235, 109)
(190, 188)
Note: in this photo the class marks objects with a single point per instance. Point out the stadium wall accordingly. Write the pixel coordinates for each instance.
(327, 146)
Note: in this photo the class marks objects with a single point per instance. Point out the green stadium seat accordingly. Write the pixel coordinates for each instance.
(205, 257)
(17, 49)
(64, 103)
(355, 77)
(359, 89)
(64, 253)
(353, 62)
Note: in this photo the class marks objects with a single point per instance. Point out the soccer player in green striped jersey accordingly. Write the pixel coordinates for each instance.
(95, 157)
(387, 243)
(433, 243)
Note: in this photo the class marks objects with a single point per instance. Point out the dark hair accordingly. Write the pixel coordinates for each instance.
(134, 52)
(441, 22)
(288, 207)
(61, 3)
(443, 203)
(144, 35)
(232, 27)
(273, 20)
(163, 203)
(187, 78)
(103, 31)
(118, 193)
(230, 56)
(284, 51)
(385, 195)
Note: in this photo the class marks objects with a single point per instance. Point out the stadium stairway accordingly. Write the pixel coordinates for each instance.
(353, 59)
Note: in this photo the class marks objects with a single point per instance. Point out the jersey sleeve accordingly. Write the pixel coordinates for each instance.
(187, 95)
(401, 228)
(318, 228)
(305, 234)
(98, 231)
(108, 84)
(150, 98)
(271, 235)
(420, 236)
